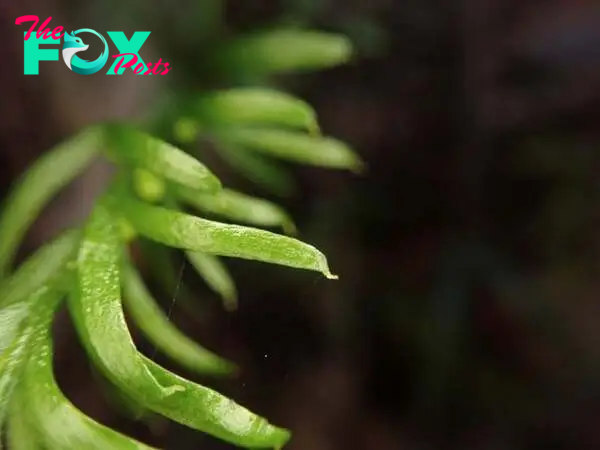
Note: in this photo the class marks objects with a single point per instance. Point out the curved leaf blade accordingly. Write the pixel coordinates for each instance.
(39, 269)
(30, 287)
(239, 207)
(256, 106)
(39, 184)
(185, 402)
(161, 331)
(216, 275)
(296, 147)
(187, 232)
(57, 420)
(140, 150)
(285, 50)
(203, 409)
(97, 309)
(15, 345)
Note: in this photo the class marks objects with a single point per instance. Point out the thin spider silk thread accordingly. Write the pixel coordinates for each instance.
(169, 313)
(173, 300)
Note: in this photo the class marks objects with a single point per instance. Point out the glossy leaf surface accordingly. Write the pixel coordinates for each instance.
(187, 232)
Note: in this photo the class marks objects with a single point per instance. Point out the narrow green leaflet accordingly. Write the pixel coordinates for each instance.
(99, 319)
(15, 347)
(39, 269)
(256, 106)
(296, 147)
(239, 207)
(143, 151)
(259, 170)
(180, 230)
(161, 331)
(21, 435)
(286, 50)
(28, 288)
(203, 409)
(59, 423)
(39, 184)
(97, 309)
(216, 275)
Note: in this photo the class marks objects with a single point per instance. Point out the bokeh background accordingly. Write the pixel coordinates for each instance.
(468, 309)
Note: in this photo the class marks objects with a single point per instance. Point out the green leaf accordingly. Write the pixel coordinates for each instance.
(186, 130)
(239, 207)
(137, 149)
(21, 435)
(29, 287)
(39, 184)
(256, 106)
(149, 187)
(187, 232)
(296, 147)
(286, 50)
(15, 347)
(12, 359)
(203, 409)
(97, 309)
(259, 170)
(39, 269)
(59, 423)
(99, 320)
(161, 331)
(216, 275)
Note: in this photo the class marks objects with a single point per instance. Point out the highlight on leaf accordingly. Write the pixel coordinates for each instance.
(187, 232)
(148, 186)
(40, 269)
(256, 106)
(57, 421)
(239, 207)
(161, 331)
(284, 50)
(296, 147)
(206, 410)
(95, 305)
(17, 339)
(29, 288)
(140, 150)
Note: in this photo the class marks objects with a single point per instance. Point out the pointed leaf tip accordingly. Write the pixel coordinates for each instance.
(188, 232)
(285, 50)
(295, 147)
(140, 150)
(256, 106)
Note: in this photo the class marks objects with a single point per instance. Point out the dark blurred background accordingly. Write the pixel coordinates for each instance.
(467, 311)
